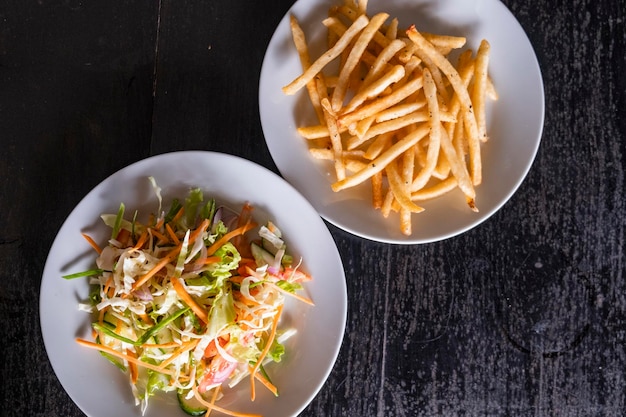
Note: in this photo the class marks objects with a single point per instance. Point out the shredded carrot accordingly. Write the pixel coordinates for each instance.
(123, 236)
(120, 355)
(214, 407)
(266, 349)
(162, 238)
(159, 223)
(142, 240)
(108, 287)
(184, 348)
(171, 233)
(199, 230)
(132, 367)
(212, 259)
(146, 318)
(228, 236)
(178, 214)
(92, 242)
(266, 383)
(216, 393)
(184, 295)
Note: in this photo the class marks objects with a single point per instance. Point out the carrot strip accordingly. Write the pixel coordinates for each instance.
(228, 236)
(266, 349)
(216, 393)
(171, 233)
(178, 214)
(120, 355)
(184, 295)
(146, 318)
(108, 286)
(162, 238)
(266, 383)
(212, 260)
(184, 348)
(142, 240)
(214, 407)
(92, 243)
(132, 367)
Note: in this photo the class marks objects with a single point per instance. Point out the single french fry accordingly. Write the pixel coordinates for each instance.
(457, 166)
(434, 191)
(377, 190)
(300, 43)
(445, 41)
(353, 59)
(479, 89)
(434, 125)
(399, 110)
(387, 206)
(392, 30)
(335, 138)
(329, 56)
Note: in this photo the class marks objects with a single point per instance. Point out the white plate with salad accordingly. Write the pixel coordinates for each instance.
(197, 270)
(515, 120)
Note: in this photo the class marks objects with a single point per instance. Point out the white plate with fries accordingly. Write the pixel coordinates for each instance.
(411, 124)
(97, 386)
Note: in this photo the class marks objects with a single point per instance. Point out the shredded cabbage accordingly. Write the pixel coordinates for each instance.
(196, 315)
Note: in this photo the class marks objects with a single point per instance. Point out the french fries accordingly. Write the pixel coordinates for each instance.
(395, 112)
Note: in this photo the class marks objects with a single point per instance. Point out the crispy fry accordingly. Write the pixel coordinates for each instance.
(323, 60)
(434, 126)
(395, 111)
(353, 59)
(299, 41)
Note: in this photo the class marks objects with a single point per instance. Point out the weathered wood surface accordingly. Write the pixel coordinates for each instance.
(523, 316)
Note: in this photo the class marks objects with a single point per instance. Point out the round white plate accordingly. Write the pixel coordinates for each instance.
(515, 121)
(98, 387)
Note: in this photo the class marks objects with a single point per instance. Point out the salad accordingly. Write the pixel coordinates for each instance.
(191, 300)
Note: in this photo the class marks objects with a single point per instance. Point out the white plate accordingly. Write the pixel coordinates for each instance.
(515, 121)
(99, 388)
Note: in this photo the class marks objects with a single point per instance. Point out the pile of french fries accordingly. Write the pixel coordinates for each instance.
(395, 111)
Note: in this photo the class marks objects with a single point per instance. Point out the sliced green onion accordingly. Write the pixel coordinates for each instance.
(118, 221)
(159, 326)
(88, 273)
(111, 333)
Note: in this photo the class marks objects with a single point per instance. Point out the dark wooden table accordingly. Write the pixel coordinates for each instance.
(522, 316)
